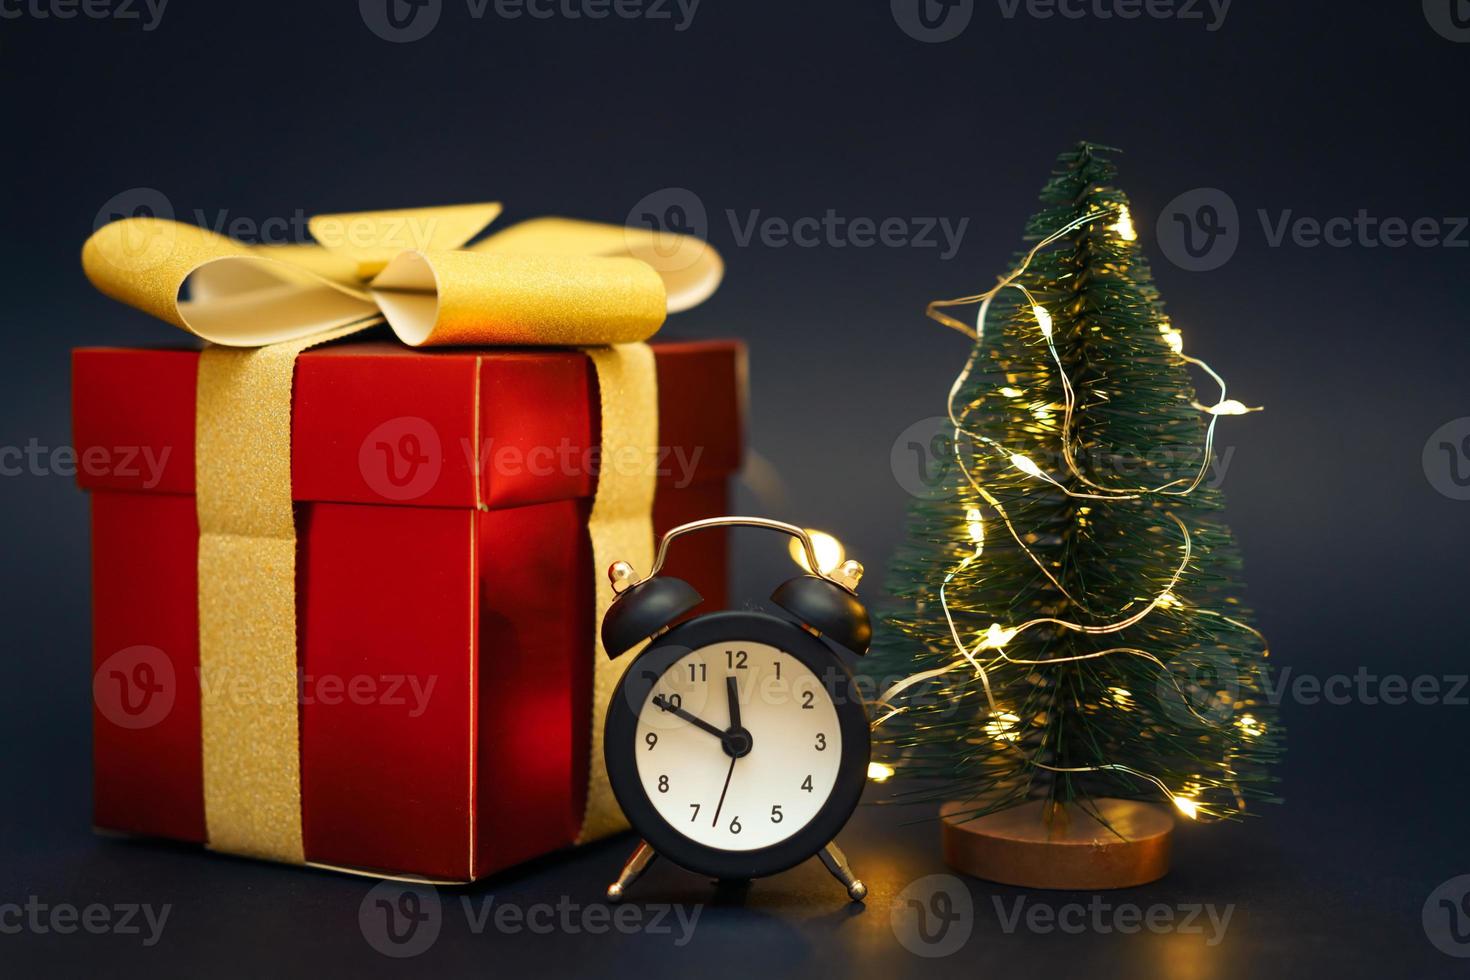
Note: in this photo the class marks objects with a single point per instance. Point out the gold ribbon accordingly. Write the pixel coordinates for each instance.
(545, 282)
(621, 526)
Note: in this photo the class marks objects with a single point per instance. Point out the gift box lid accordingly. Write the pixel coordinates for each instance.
(376, 422)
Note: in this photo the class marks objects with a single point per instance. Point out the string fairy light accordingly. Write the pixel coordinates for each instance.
(879, 772)
(1123, 227)
(830, 552)
(1003, 725)
(1173, 338)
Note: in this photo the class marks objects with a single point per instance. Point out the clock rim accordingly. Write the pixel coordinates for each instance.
(620, 748)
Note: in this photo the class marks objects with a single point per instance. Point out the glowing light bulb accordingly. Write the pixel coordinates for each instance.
(878, 772)
(1250, 726)
(1025, 464)
(1124, 225)
(1167, 600)
(1174, 339)
(975, 525)
(1043, 320)
(1002, 726)
(996, 636)
(1230, 407)
(1010, 392)
(830, 552)
(1187, 807)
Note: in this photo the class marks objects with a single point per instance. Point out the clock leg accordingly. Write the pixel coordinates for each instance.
(638, 862)
(836, 863)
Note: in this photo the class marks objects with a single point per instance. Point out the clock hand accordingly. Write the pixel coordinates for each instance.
(664, 704)
(734, 691)
(728, 773)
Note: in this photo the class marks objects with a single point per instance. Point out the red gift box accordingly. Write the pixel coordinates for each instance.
(445, 588)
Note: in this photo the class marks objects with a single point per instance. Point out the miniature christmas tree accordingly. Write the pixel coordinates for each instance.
(1066, 619)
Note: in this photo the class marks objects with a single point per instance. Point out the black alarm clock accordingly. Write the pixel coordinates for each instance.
(737, 742)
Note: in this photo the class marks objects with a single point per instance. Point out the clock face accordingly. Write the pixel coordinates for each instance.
(737, 800)
(738, 745)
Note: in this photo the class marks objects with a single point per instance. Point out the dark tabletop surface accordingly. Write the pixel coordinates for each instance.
(1334, 884)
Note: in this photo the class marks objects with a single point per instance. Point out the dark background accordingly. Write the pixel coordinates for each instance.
(1354, 560)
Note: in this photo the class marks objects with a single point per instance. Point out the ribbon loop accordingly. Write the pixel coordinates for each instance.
(449, 298)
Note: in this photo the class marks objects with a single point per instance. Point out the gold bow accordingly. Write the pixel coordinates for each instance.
(549, 281)
(544, 282)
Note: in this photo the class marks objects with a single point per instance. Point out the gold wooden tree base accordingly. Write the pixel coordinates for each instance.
(1037, 845)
